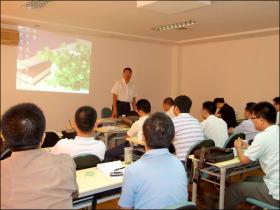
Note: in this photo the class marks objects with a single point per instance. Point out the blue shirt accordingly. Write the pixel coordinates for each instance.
(158, 179)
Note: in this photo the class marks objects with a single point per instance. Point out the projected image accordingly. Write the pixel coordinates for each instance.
(52, 62)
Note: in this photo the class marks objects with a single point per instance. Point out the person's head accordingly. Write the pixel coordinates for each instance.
(167, 103)
(263, 115)
(208, 108)
(182, 104)
(127, 73)
(219, 102)
(23, 127)
(85, 118)
(276, 103)
(248, 110)
(143, 107)
(158, 131)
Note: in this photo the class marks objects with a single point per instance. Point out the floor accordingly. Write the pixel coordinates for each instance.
(208, 194)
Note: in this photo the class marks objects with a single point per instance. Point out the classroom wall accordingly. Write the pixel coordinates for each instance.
(240, 70)
(151, 64)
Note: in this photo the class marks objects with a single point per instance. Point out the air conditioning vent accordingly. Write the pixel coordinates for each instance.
(9, 36)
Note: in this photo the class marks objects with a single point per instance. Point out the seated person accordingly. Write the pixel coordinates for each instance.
(276, 103)
(158, 179)
(213, 127)
(168, 107)
(84, 142)
(143, 109)
(32, 178)
(247, 126)
(226, 112)
(264, 148)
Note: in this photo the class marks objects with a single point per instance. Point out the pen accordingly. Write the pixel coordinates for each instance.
(119, 168)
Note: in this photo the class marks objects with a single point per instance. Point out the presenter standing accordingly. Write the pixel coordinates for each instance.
(124, 93)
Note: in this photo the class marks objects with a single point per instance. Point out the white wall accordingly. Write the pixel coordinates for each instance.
(240, 70)
(151, 64)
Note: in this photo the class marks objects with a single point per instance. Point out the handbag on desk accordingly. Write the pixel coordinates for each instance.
(215, 154)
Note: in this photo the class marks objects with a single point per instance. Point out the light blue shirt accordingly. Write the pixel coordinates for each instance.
(265, 148)
(158, 179)
(248, 128)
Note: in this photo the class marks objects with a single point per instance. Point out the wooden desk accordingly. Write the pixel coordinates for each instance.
(135, 140)
(222, 170)
(108, 130)
(92, 181)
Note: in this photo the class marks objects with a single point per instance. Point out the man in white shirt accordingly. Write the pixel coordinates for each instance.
(247, 126)
(136, 130)
(124, 93)
(84, 142)
(264, 148)
(188, 130)
(168, 107)
(213, 127)
(276, 103)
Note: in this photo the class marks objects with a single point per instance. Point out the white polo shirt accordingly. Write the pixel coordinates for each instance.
(136, 129)
(265, 148)
(188, 131)
(80, 145)
(216, 129)
(124, 91)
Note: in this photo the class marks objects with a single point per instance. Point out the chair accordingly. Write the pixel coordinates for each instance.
(106, 112)
(230, 141)
(182, 205)
(260, 204)
(51, 139)
(86, 161)
(69, 134)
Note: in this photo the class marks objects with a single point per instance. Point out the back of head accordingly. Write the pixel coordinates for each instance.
(249, 107)
(169, 101)
(276, 100)
(210, 107)
(266, 111)
(85, 118)
(127, 69)
(143, 105)
(158, 131)
(183, 103)
(218, 100)
(23, 126)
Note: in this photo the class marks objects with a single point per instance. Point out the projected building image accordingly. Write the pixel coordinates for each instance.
(52, 62)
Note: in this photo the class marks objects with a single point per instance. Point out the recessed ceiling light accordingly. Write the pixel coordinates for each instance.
(174, 26)
(35, 4)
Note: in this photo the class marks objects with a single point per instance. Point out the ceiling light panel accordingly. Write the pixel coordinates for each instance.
(174, 26)
(35, 4)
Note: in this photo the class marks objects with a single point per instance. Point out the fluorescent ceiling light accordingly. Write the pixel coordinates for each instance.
(35, 4)
(173, 26)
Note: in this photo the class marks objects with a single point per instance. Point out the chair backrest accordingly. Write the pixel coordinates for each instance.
(51, 139)
(230, 141)
(260, 204)
(182, 205)
(198, 145)
(106, 112)
(86, 161)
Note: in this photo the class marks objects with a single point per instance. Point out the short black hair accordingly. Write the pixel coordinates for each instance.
(144, 105)
(23, 126)
(168, 101)
(249, 106)
(183, 103)
(85, 118)
(266, 111)
(218, 100)
(158, 130)
(209, 106)
(277, 100)
(127, 69)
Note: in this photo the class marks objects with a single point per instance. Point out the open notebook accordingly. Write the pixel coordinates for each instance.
(107, 168)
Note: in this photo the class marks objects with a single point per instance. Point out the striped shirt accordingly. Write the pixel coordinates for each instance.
(188, 131)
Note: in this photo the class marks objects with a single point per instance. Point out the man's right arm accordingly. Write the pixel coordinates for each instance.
(114, 112)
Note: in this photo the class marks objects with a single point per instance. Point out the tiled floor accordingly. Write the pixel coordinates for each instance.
(208, 194)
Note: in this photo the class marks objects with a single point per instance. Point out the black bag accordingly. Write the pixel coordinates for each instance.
(215, 154)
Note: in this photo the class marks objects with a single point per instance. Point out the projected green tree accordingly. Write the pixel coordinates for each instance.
(72, 66)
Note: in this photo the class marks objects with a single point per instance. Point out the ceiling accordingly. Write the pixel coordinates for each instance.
(125, 19)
